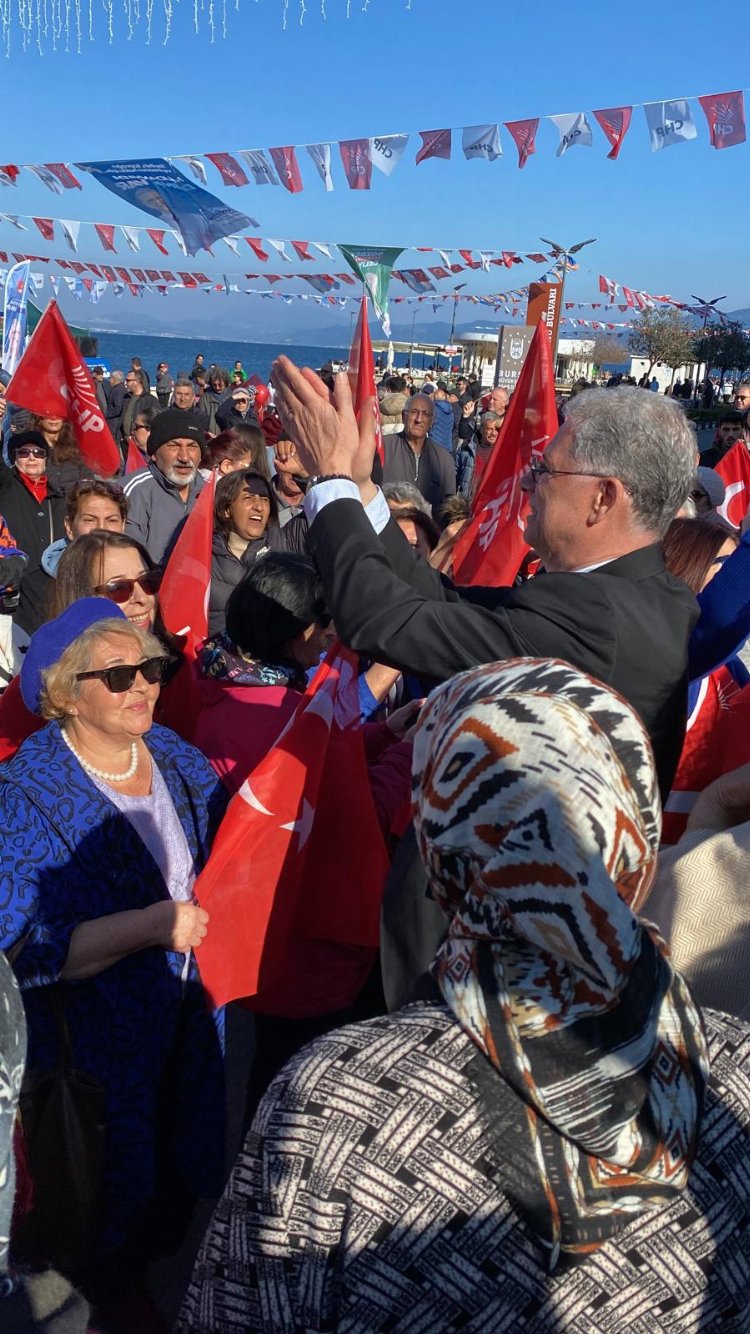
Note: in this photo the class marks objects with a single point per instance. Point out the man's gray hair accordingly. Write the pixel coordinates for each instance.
(116, 377)
(643, 439)
(424, 398)
(406, 493)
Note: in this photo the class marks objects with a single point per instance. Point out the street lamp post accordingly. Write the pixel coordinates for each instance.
(560, 253)
(708, 309)
(456, 291)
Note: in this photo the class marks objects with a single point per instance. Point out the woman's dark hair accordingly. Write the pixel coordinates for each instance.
(691, 546)
(234, 445)
(95, 486)
(230, 487)
(279, 597)
(76, 571)
(255, 441)
(77, 577)
(65, 449)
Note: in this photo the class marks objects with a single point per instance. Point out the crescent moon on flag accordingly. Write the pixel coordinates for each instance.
(732, 490)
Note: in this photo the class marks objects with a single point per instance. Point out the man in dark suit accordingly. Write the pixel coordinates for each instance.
(612, 479)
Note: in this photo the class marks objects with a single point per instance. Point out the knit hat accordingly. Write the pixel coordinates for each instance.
(19, 438)
(709, 481)
(50, 641)
(175, 424)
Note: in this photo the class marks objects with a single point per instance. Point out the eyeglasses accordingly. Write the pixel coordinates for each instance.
(240, 400)
(31, 452)
(538, 470)
(121, 590)
(141, 426)
(119, 679)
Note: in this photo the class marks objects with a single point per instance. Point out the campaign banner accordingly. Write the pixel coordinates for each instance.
(544, 304)
(14, 315)
(158, 188)
(373, 264)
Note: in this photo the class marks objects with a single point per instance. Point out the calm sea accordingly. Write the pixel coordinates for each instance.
(116, 351)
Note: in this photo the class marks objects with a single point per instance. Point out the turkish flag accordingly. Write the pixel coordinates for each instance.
(53, 381)
(46, 227)
(523, 134)
(734, 470)
(229, 168)
(285, 162)
(183, 603)
(183, 598)
(275, 869)
(491, 548)
(725, 113)
(106, 233)
(303, 250)
(134, 460)
(157, 236)
(362, 374)
(615, 121)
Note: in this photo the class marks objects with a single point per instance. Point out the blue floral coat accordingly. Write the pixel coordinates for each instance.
(67, 855)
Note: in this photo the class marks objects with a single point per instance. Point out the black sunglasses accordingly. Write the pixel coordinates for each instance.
(30, 452)
(121, 590)
(120, 679)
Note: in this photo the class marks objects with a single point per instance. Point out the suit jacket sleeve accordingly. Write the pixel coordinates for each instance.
(380, 613)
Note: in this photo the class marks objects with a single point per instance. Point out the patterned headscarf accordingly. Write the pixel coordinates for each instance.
(538, 822)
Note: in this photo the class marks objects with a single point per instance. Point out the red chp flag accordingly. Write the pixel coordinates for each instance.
(734, 471)
(53, 381)
(725, 113)
(274, 869)
(491, 548)
(362, 374)
(615, 121)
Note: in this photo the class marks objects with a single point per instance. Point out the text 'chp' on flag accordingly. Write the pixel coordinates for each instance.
(491, 548)
(274, 873)
(52, 380)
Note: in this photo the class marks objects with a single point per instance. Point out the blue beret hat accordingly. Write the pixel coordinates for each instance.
(50, 641)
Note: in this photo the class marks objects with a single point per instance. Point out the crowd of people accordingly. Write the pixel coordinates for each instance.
(528, 1109)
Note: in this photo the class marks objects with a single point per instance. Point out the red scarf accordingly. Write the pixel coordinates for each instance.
(36, 485)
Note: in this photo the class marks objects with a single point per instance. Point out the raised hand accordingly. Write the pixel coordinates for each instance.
(322, 426)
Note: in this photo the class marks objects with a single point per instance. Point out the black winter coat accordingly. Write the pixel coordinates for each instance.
(227, 569)
(34, 526)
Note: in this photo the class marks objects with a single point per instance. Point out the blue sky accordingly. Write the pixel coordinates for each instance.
(674, 221)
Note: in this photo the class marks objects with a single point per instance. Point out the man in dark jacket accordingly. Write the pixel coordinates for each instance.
(116, 403)
(412, 456)
(611, 481)
(35, 513)
(215, 396)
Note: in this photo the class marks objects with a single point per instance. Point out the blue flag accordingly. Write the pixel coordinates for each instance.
(14, 316)
(158, 188)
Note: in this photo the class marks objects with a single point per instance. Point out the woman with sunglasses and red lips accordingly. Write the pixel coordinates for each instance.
(35, 513)
(107, 821)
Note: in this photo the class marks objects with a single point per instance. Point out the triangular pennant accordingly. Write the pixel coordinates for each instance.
(615, 122)
(303, 250)
(285, 162)
(280, 249)
(46, 227)
(228, 168)
(196, 167)
(435, 143)
(523, 134)
(725, 113)
(256, 245)
(574, 131)
(260, 167)
(669, 123)
(106, 233)
(387, 151)
(321, 156)
(482, 141)
(157, 236)
(132, 238)
(70, 230)
(357, 162)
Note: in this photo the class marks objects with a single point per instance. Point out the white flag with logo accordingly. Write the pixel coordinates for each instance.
(132, 238)
(669, 123)
(574, 129)
(387, 151)
(321, 156)
(482, 141)
(262, 171)
(70, 232)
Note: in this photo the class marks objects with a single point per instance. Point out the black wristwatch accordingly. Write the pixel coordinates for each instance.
(329, 477)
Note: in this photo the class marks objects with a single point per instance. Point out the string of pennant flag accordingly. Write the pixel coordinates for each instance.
(668, 122)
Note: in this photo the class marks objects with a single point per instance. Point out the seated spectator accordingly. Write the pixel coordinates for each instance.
(107, 819)
(451, 1134)
(246, 525)
(91, 503)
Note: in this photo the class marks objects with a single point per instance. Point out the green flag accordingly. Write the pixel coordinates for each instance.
(373, 265)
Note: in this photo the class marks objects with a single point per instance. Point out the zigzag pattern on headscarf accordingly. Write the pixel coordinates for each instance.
(538, 820)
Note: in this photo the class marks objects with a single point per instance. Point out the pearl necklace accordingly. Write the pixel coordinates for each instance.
(99, 773)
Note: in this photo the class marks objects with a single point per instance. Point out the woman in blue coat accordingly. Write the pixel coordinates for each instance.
(105, 821)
